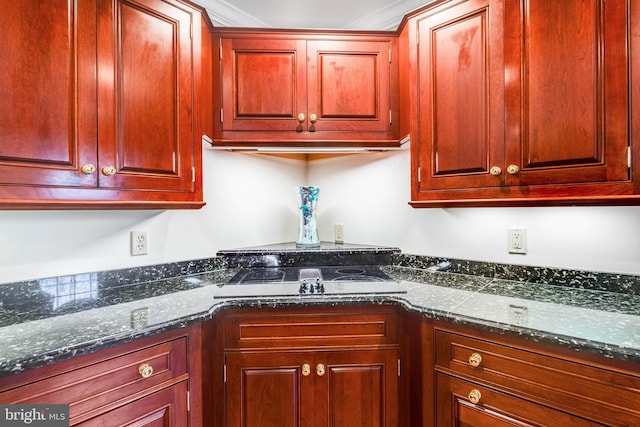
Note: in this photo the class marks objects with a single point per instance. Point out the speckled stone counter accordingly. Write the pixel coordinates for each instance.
(53, 319)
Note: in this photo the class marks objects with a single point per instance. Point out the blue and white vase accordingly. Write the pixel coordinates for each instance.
(307, 229)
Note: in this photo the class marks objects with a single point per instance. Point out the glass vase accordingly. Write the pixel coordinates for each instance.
(307, 226)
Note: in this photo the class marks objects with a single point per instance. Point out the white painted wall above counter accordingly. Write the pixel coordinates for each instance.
(251, 201)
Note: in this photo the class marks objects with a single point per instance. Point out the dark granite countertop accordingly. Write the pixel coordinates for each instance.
(53, 319)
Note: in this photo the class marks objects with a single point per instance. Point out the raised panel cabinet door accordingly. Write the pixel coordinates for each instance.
(461, 73)
(269, 390)
(567, 86)
(145, 97)
(47, 92)
(165, 408)
(349, 85)
(461, 403)
(356, 388)
(264, 85)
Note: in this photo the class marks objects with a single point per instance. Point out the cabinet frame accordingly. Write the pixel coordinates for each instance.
(69, 173)
(615, 181)
(376, 127)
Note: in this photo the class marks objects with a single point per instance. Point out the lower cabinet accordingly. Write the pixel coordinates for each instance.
(167, 407)
(463, 403)
(297, 368)
(485, 379)
(149, 382)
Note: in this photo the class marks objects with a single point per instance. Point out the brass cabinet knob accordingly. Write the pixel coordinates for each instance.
(513, 169)
(306, 369)
(475, 359)
(88, 169)
(108, 170)
(301, 118)
(474, 396)
(313, 118)
(495, 171)
(145, 370)
(320, 369)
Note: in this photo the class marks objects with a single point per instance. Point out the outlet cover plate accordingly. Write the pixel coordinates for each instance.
(517, 240)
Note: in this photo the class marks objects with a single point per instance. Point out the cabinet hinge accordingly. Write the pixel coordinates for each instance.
(220, 47)
(188, 401)
(390, 117)
(191, 30)
(193, 174)
(629, 157)
(398, 367)
(389, 55)
(224, 373)
(221, 115)
(419, 174)
(417, 36)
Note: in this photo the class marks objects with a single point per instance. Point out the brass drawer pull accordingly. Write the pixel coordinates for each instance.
(306, 369)
(88, 169)
(108, 170)
(145, 370)
(320, 369)
(475, 396)
(513, 169)
(475, 359)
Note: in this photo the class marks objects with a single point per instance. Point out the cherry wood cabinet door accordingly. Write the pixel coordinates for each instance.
(165, 408)
(269, 390)
(356, 389)
(456, 407)
(461, 97)
(524, 103)
(47, 87)
(312, 389)
(349, 85)
(308, 89)
(264, 84)
(567, 91)
(145, 96)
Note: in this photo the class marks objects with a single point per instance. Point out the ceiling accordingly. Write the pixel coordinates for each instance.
(327, 14)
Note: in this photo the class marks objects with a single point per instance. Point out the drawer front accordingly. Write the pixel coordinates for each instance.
(333, 328)
(107, 383)
(461, 403)
(546, 378)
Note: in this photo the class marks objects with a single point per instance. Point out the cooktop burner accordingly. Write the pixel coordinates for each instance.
(326, 280)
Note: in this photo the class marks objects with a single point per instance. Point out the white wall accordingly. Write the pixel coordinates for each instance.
(368, 193)
(250, 201)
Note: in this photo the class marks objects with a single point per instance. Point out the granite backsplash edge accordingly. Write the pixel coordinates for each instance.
(581, 279)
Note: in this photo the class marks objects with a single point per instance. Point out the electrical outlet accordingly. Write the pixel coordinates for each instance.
(518, 315)
(517, 240)
(338, 233)
(139, 243)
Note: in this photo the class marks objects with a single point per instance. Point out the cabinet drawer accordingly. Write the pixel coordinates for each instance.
(493, 408)
(310, 328)
(543, 377)
(106, 382)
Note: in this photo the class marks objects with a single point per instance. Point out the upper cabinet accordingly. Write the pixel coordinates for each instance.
(100, 104)
(291, 89)
(523, 102)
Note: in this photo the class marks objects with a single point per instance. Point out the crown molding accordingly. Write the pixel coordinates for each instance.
(226, 15)
(387, 18)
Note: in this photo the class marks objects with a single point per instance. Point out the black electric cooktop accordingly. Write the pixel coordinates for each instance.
(308, 281)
